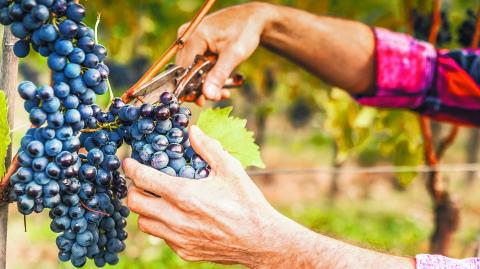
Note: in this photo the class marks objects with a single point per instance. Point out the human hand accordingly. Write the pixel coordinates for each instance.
(233, 34)
(223, 218)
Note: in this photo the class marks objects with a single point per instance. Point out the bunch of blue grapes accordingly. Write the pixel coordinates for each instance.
(82, 191)
(422, 26)
(157, 134)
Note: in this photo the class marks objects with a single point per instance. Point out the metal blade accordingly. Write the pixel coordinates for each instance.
(165, 81)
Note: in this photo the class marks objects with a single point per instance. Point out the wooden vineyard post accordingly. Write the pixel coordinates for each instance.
(8, 80)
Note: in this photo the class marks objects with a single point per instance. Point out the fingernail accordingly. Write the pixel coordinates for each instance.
(211, 91)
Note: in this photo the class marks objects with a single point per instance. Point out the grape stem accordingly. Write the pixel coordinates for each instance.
(171, 51)
(93, 210)
(12, 168)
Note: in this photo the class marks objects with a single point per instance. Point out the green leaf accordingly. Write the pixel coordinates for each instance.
(4, 132)
(232, 134)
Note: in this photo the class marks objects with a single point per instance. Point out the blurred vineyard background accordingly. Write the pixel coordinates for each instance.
(300, 123)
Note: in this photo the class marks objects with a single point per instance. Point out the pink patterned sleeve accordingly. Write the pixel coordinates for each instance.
(425, 261)
(412, 74)
(405, 69)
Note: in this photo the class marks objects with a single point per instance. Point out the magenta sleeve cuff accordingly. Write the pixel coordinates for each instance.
(411, 74)
(424, 261)
(405, 71)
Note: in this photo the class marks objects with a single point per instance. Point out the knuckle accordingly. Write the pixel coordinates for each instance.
(132, 201)
(185, 203)
(238, 51)
(182, 199)
(220, 76)
(185, 255)
(182, 29)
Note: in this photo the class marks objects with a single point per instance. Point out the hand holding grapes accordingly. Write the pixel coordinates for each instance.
(223, 218)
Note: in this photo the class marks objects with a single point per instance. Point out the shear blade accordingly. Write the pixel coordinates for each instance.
(165, 81)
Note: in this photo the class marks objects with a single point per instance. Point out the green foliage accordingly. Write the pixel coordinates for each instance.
(4, 132)
(383, 230)
(355, 129)
(343, 115)
(232, 134)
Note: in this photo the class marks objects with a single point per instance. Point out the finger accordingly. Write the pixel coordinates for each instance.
(150, 207)
(208, 148)
(182, 29)
(194, 46)
(156, 228)
(180, 250)
(227, 61)
(149, 179)
(225, 94)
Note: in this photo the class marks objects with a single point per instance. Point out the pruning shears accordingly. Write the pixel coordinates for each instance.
(185, 83)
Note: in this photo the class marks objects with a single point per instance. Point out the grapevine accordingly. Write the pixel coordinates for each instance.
(67, 162)
(467, 28)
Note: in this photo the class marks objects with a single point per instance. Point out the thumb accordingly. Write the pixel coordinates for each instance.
(219, 74)
(209, 149)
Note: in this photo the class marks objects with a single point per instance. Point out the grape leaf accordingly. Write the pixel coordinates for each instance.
(232, 134)
(4, 132)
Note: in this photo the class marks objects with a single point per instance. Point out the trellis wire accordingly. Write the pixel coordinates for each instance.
(463, 167)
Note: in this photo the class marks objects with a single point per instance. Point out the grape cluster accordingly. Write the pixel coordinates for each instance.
(82, 191)
(157, 134)
(67, 159)
(467, 29)
(422, 27)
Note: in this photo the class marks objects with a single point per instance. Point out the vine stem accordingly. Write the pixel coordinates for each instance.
(447, 141)
(446, 210)
(436, 23)
(476, 35)
(171, 51)
(409, 15)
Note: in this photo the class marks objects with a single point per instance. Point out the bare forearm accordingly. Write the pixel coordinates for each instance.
(338, 51)
(289, 245)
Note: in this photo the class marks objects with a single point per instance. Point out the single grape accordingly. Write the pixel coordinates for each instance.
(177, 164)
(175, 135)
(175, 151)
(159, 160)
(68, 28)
(76, 12)
(187, 172)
